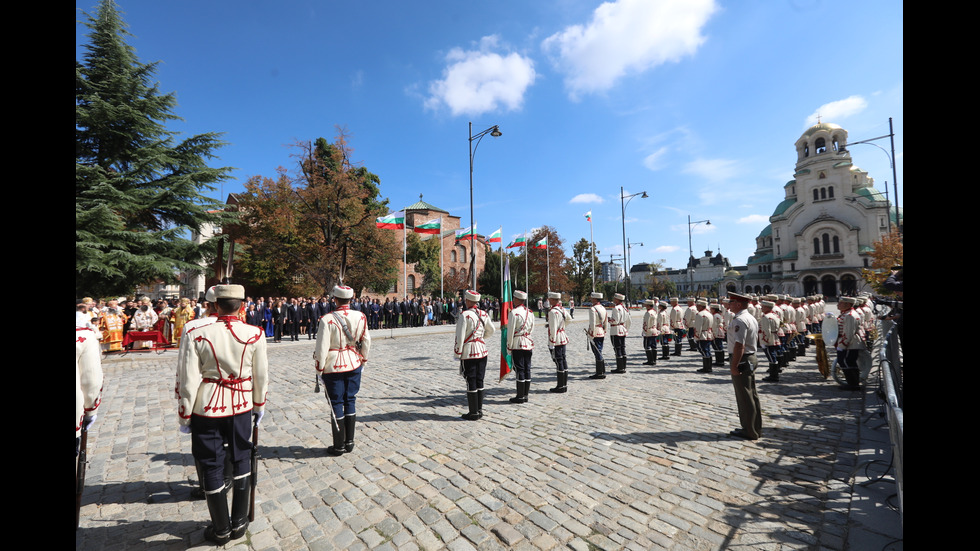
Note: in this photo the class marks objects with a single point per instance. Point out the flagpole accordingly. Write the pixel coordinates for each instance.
(547, 258)
(405, 259)
(592, 258)
(527, 253)
(442, 290)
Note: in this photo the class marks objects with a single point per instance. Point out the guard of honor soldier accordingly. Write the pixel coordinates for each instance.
(470, 349)
(598, 324)
(342, 347)
(619, 324)
(558, 339)
(519, 343)
(651, 331)
(222, 382)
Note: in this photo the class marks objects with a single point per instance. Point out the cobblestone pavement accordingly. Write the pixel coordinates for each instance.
(637, 461)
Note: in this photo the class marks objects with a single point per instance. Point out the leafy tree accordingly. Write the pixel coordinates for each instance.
(318, 228)
(578, 270)
(889, 252)
(541, 262)
(489, 279)
(139, 192)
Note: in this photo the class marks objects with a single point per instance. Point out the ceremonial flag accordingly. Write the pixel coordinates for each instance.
(543, 244)
(394, 221)
(495, 236)
(506, 304)
(519, 242)
(432, 226)
(588, 216)
(465, 233)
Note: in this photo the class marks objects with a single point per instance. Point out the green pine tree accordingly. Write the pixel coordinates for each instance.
(139, 191)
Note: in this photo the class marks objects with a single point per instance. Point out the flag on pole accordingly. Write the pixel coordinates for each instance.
(519, 242)
(506, 304)
(588, 216)
(394, 221)
(432, 226)
(465, 233)
(495, 237)
(543, 244)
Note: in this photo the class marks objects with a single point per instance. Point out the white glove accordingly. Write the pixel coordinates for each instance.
(185, 429)
(89, 421)
(258, 415)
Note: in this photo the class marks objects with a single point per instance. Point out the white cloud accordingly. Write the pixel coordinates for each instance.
(666, 249)
(653, 160)
(713, 170)
(754, 219)
(479, 81)
(627, 36)
(586, 198)
(836, 111)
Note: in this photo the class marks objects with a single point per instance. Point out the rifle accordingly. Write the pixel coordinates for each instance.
(317, 389)
(82, 459)
(255, 472)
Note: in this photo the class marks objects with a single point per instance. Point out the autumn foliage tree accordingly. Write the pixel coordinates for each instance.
(307, 232)
(888, 253)
(541, 262)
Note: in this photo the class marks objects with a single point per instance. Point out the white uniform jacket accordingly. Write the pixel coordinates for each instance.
(619, 321)
(557, 317)
(598, 321)
(702, 326)
(224, 370)
(850, 331)
(650, 326)
(519, 327)
(334, 352)
(676, 316)
(718, 325)
(769, 329)
(471, 329)
(88, 374)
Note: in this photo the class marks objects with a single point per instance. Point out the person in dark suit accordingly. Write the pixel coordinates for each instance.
(279, 313)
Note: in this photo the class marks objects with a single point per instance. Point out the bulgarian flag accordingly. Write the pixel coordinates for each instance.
(543, 244)
(588, 216)
(465, 233)
(495, 236)
(432, 226)
(506, 304)
(394, 221)
(519, 242)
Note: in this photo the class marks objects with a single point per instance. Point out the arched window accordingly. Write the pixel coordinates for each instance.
(826, 243)
(830, 192)
(411, 283)
(462, 253)
(836, 244)
(452, 256)
(816, 195)
(823, 193)
(820, 145)
(816, 245)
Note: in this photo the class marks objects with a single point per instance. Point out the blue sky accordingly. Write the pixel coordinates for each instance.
(696, 102)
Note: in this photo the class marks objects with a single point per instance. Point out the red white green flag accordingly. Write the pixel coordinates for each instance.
(588, 216)
(394, 221)
(543, 244)
(519, 242)
(506, 304)
(432, 226)
(465, 233)
(495, 237)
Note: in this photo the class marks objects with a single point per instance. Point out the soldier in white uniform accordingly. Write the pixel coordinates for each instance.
(470, 349)
(677, 325)
(718, 326)
(519, 343)
(88, 376)
(558, 339)
(619, 324)
(689, 314)
(342, 347)
(651, 331)
(769, 339)
(663, 320)
(850, 342)
(703, 336)
(598, 324)
(223, 381)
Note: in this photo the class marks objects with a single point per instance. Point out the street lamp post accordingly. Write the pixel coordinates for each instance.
(623, 202)
(495, 132)
(690, 250)
(629, 263)
(891, 161)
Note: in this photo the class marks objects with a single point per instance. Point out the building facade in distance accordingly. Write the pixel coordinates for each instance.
(823, 232)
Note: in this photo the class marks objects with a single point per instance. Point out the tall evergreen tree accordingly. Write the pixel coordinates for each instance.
(139, 192)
